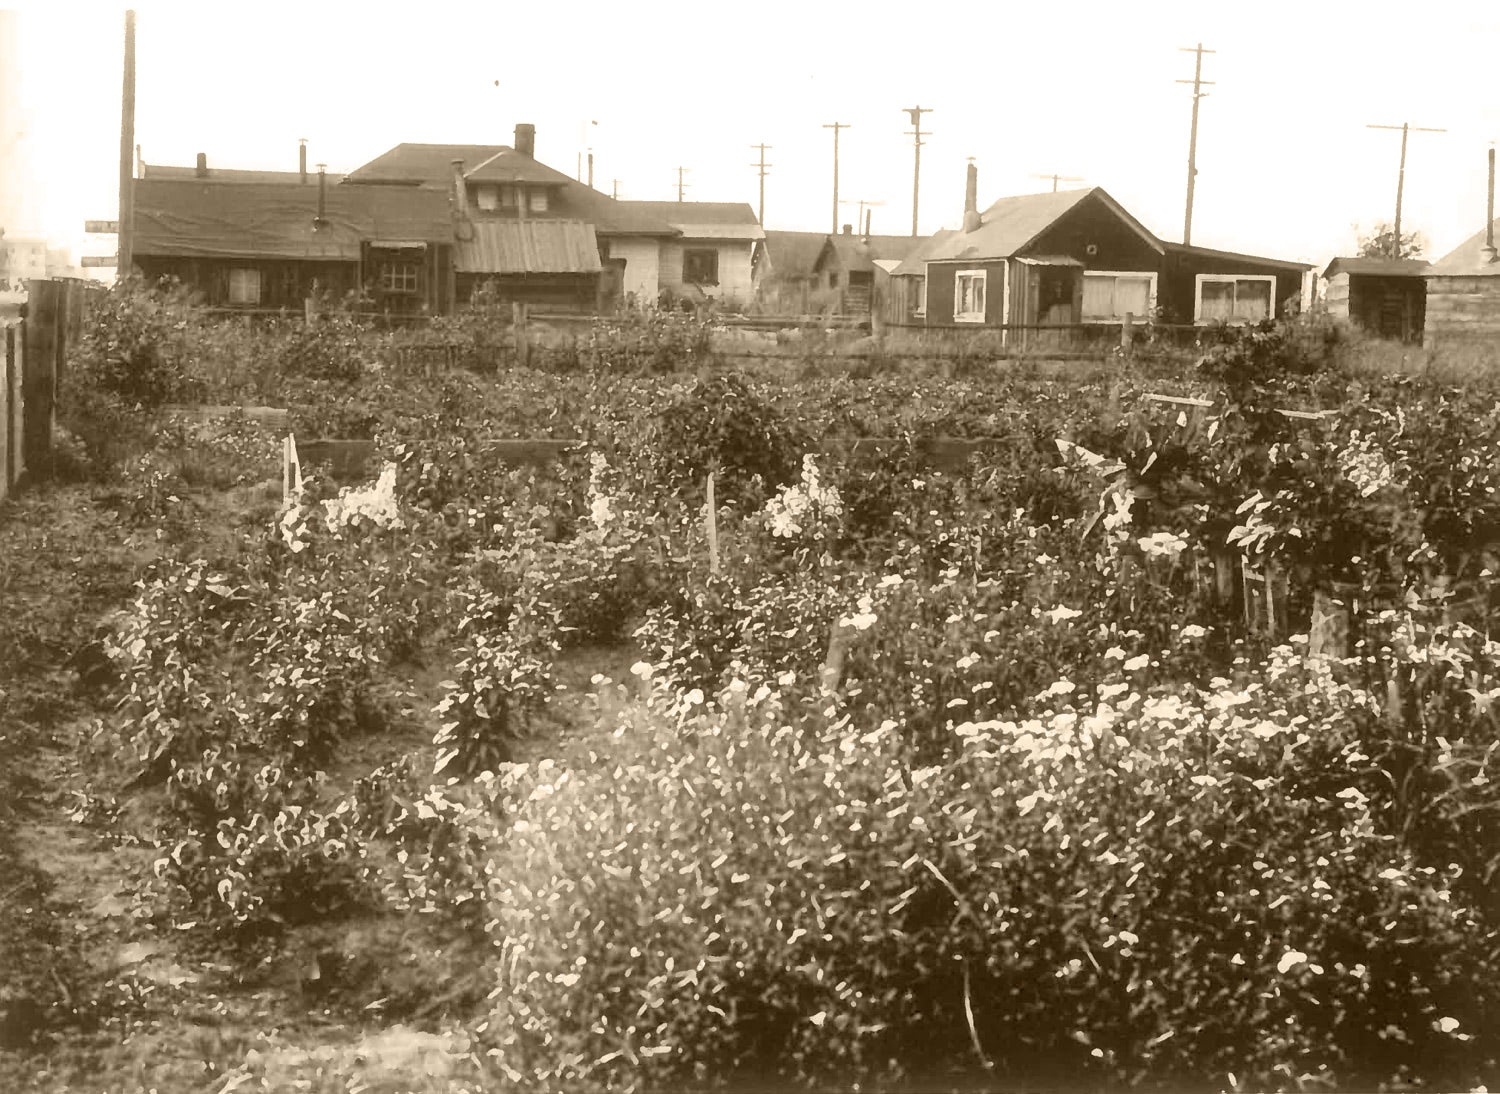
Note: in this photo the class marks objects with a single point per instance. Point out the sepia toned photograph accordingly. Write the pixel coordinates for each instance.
(652, 548)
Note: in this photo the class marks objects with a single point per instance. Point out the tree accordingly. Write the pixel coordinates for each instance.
(1380, 242)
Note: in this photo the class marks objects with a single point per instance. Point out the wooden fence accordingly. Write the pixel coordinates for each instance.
(37, 336)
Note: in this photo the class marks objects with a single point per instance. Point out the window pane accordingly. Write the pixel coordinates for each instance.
(1252, 300)
(978, 296)
(1132, 296)
(1218, 300)
(1098, 297)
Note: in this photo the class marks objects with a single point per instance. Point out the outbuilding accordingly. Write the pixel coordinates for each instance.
(1385, 297)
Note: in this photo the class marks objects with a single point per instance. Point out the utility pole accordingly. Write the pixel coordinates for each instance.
(127, 145)
(614, 189)
(1198, 93)
(764, 167)
(836, 126)
(862, 203)
(915, 113)
(1405, 128)
(681, 186)
(1058, 178)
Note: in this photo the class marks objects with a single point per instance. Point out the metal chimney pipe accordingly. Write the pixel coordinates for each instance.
(322, 193)
(1489, 214)
(203, 165)
(302, 158)
(591, 170)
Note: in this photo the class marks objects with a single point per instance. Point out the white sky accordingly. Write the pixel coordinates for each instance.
(1286, 165)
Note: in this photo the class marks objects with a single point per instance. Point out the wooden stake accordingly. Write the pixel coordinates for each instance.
(711, 522)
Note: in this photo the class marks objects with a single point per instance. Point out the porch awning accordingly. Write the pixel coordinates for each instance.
(1050, 260)
(399, 244)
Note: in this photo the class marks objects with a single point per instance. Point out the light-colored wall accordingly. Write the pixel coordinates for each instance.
(734, 267)
(1462, 310)
(642, 257)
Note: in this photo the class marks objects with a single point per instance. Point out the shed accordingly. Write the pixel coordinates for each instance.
(1386, 297)
(552, 264)
(846, 266)
(1463, 294)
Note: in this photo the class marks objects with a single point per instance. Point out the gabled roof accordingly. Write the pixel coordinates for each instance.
(1382, 267)
(194, 218)
(229, 174)
(1011, 224)
(857, 254)
(915, 263)
(527, 246)
(418, 163)
(1466, 260)
(508, 165)
(704, 219)
(1208, 252)
(793, 254)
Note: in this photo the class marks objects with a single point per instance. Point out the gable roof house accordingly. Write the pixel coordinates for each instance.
(526, 232)
(275, 240)
(846, 267)
(710, 257)
(784, 274)
(1463, 287)
(1072, 259)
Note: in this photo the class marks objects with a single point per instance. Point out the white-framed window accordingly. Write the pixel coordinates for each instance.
(1234, 298)
(921, 296)
(398, 277)
(244, 285)
(968, 296)
(1110, 295)
(488, 198)
(538, 198)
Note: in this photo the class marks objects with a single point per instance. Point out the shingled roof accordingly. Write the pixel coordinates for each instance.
(528, 246)
(1009, 225)
(1467, 259)
(793, 254)
(703, 219)
(199, 219)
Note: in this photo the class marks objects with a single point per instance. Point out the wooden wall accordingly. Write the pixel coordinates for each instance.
(1462, 310)
(34, 369)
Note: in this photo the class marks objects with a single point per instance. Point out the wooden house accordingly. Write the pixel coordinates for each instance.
(1385, 297)
(1073, 260)
(269, 245)
(784, 279)
(1463, 294)
(711, 255)
(846, 268)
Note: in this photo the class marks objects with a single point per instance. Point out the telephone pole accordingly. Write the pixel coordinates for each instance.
(1405, 127)
(681, 186)
(614, 191)
(862, 221)
(1198, 93)
(127, 145)
(915, 113)
(1058, 178)
(764, 167)
(836, 126)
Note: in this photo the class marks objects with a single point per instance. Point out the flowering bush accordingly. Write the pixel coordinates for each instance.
(807, 510)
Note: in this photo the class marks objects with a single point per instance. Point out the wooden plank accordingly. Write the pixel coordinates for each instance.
(39, 376)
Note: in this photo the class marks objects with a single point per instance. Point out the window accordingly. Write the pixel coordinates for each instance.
(1108, 297)
(968, 296)
(488, 198)
(1234, 298)
(398, 277)
(538, 200)
(244, 285)
(700, 266)
(921, 296)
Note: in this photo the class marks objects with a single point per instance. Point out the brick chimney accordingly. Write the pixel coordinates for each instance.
(302, 158)
(848, 229)
(203, 165)
(526, 140)
(971, 199)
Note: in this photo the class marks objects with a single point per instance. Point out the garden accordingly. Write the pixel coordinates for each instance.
(754, 741)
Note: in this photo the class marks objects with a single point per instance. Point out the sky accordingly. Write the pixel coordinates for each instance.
(1286, 165)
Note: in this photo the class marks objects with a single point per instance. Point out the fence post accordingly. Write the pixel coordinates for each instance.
(523, 338)
(1127, 335)
(1328, 636)
(39, 376)
(711, 522)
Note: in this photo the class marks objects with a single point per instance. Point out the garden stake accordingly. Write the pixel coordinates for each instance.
(711, 522)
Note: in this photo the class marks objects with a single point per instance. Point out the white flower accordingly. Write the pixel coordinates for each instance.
(1135, 664)
(1063, 612)
(1290, 960)
(1061, 687)
(890, 580)
(643, 669)
(1445, 1025)
(1192, 630)
(1114, 653)
(787, 679)
(1162, 545)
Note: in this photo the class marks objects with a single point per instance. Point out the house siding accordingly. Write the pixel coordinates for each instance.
(1177, 287)
(734, 285)
(1093, 224)
(940, 281)
(643, 262)
(1462, 310)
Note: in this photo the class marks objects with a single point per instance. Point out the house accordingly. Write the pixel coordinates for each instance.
(526, 232)
(22, 259)
(783, 274)
(1075, 259)
(1463, 293)
(710, 258)
(1386, 297)
(847, 265)
(264, 245)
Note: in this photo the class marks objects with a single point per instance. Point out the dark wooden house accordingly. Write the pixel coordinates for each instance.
(1386, 297)
(265, 246)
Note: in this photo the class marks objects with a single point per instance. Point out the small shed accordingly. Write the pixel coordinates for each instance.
(846, 267)
(1385, 297)
(1463, 294)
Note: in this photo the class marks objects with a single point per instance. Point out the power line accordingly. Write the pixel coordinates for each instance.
(764, 168)
(915, 113)
(1198, 93)
(836, 126)
(1405, 128)
(862, 222)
